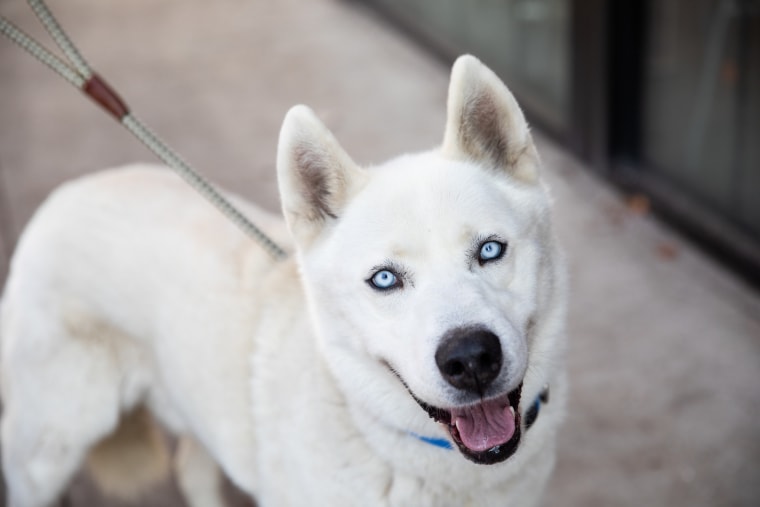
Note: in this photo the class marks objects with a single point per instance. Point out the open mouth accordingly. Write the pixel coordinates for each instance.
(487, 432)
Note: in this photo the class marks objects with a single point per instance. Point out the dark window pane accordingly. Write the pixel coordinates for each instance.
(701, 125)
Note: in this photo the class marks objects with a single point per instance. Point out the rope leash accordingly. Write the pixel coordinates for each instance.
(80, 75)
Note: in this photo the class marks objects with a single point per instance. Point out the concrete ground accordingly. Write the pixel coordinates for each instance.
(664, 352)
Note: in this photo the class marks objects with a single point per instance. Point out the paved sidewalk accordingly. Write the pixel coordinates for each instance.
(665, 345)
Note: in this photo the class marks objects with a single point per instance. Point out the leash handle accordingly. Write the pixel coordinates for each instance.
(80, 75)
(31, 46)
(45, 16)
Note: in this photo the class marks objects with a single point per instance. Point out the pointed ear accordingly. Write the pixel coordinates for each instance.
(485, 124)
(315, 176)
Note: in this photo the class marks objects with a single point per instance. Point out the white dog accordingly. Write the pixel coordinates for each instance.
(402, 355)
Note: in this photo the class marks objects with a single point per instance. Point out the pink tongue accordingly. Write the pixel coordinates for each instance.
(485, 425)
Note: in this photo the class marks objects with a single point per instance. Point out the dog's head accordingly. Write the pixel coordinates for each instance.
(431, 273)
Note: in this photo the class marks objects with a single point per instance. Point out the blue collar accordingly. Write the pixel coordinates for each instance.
(437, 442)
(530, 418)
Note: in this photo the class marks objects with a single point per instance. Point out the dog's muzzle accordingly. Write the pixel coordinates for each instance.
(487, 431)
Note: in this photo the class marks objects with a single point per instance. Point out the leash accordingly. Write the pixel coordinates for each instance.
(78, 73)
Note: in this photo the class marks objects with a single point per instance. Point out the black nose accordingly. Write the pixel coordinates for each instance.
(469, 358)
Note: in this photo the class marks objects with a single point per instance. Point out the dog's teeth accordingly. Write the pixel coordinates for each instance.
(512, 410)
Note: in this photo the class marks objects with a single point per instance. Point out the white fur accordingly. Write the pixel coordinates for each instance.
(128, 289)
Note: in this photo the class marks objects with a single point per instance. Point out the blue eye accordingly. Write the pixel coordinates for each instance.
(491, 251)
(384, 280)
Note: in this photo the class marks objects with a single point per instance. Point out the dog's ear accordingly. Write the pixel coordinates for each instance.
(485, 124)
(315, 176)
